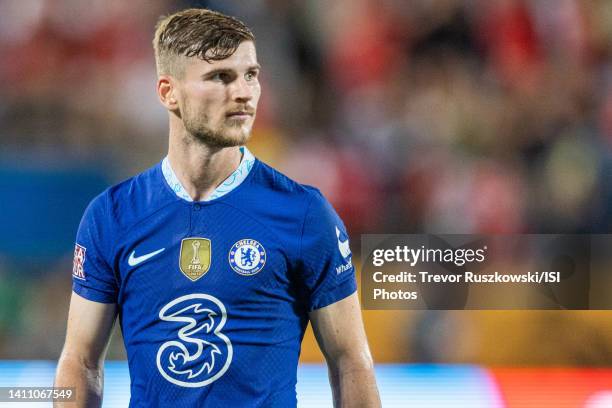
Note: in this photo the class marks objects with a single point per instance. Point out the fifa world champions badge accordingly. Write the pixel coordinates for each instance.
(78, 261)
(247, 257)
(195, 256)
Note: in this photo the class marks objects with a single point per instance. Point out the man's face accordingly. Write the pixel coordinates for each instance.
(218, 100)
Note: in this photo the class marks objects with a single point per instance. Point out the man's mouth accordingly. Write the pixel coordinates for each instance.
(239, 114)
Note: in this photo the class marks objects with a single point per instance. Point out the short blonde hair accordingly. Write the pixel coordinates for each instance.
(201, 33)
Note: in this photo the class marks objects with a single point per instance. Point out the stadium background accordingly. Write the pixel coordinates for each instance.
(448, 116)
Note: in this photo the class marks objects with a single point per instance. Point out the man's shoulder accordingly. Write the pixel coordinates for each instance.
(280, 203)
(275, 195)
(306, 202)
(135, 185)
(275, 181)
(133, 198)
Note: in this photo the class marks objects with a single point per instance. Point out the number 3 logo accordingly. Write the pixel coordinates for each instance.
(200, 354)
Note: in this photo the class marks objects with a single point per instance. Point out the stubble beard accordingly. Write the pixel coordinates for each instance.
(225, 136)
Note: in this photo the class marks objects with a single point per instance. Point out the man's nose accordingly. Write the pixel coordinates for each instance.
(241, 90)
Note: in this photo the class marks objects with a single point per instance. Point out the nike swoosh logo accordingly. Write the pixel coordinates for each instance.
(135, 260)
(344, 248)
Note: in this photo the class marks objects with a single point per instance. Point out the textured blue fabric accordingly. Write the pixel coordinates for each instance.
(230, 338)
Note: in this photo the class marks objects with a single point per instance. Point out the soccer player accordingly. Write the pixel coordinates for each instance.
(213, 261)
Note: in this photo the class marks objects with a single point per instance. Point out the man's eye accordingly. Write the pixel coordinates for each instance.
(221, 76)
(249, 76)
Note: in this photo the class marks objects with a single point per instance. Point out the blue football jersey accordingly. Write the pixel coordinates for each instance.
(213, 296)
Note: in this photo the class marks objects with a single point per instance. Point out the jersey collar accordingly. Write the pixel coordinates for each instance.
(230, 183)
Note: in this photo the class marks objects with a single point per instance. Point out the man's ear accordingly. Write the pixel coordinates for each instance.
(166, 91)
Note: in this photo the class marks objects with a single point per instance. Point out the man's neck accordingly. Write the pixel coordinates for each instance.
(199, 167)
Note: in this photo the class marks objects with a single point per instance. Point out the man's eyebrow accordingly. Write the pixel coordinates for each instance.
(229, 70)
(218, 71)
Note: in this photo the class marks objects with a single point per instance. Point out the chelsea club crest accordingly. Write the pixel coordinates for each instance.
(247, 257)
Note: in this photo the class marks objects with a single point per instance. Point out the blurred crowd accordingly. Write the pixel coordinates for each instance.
(448, 116)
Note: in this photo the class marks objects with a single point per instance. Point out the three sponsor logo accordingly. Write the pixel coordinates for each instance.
(199, 353)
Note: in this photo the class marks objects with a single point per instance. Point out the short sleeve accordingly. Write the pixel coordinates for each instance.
(92, 275)
(328, 272)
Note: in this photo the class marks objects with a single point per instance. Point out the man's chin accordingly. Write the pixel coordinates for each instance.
(237, 139)
(222, 140)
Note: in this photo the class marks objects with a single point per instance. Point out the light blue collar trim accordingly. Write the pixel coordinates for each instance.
(233, 181)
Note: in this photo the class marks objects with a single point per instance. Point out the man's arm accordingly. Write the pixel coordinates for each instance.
(82, 361)
(340, 334)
